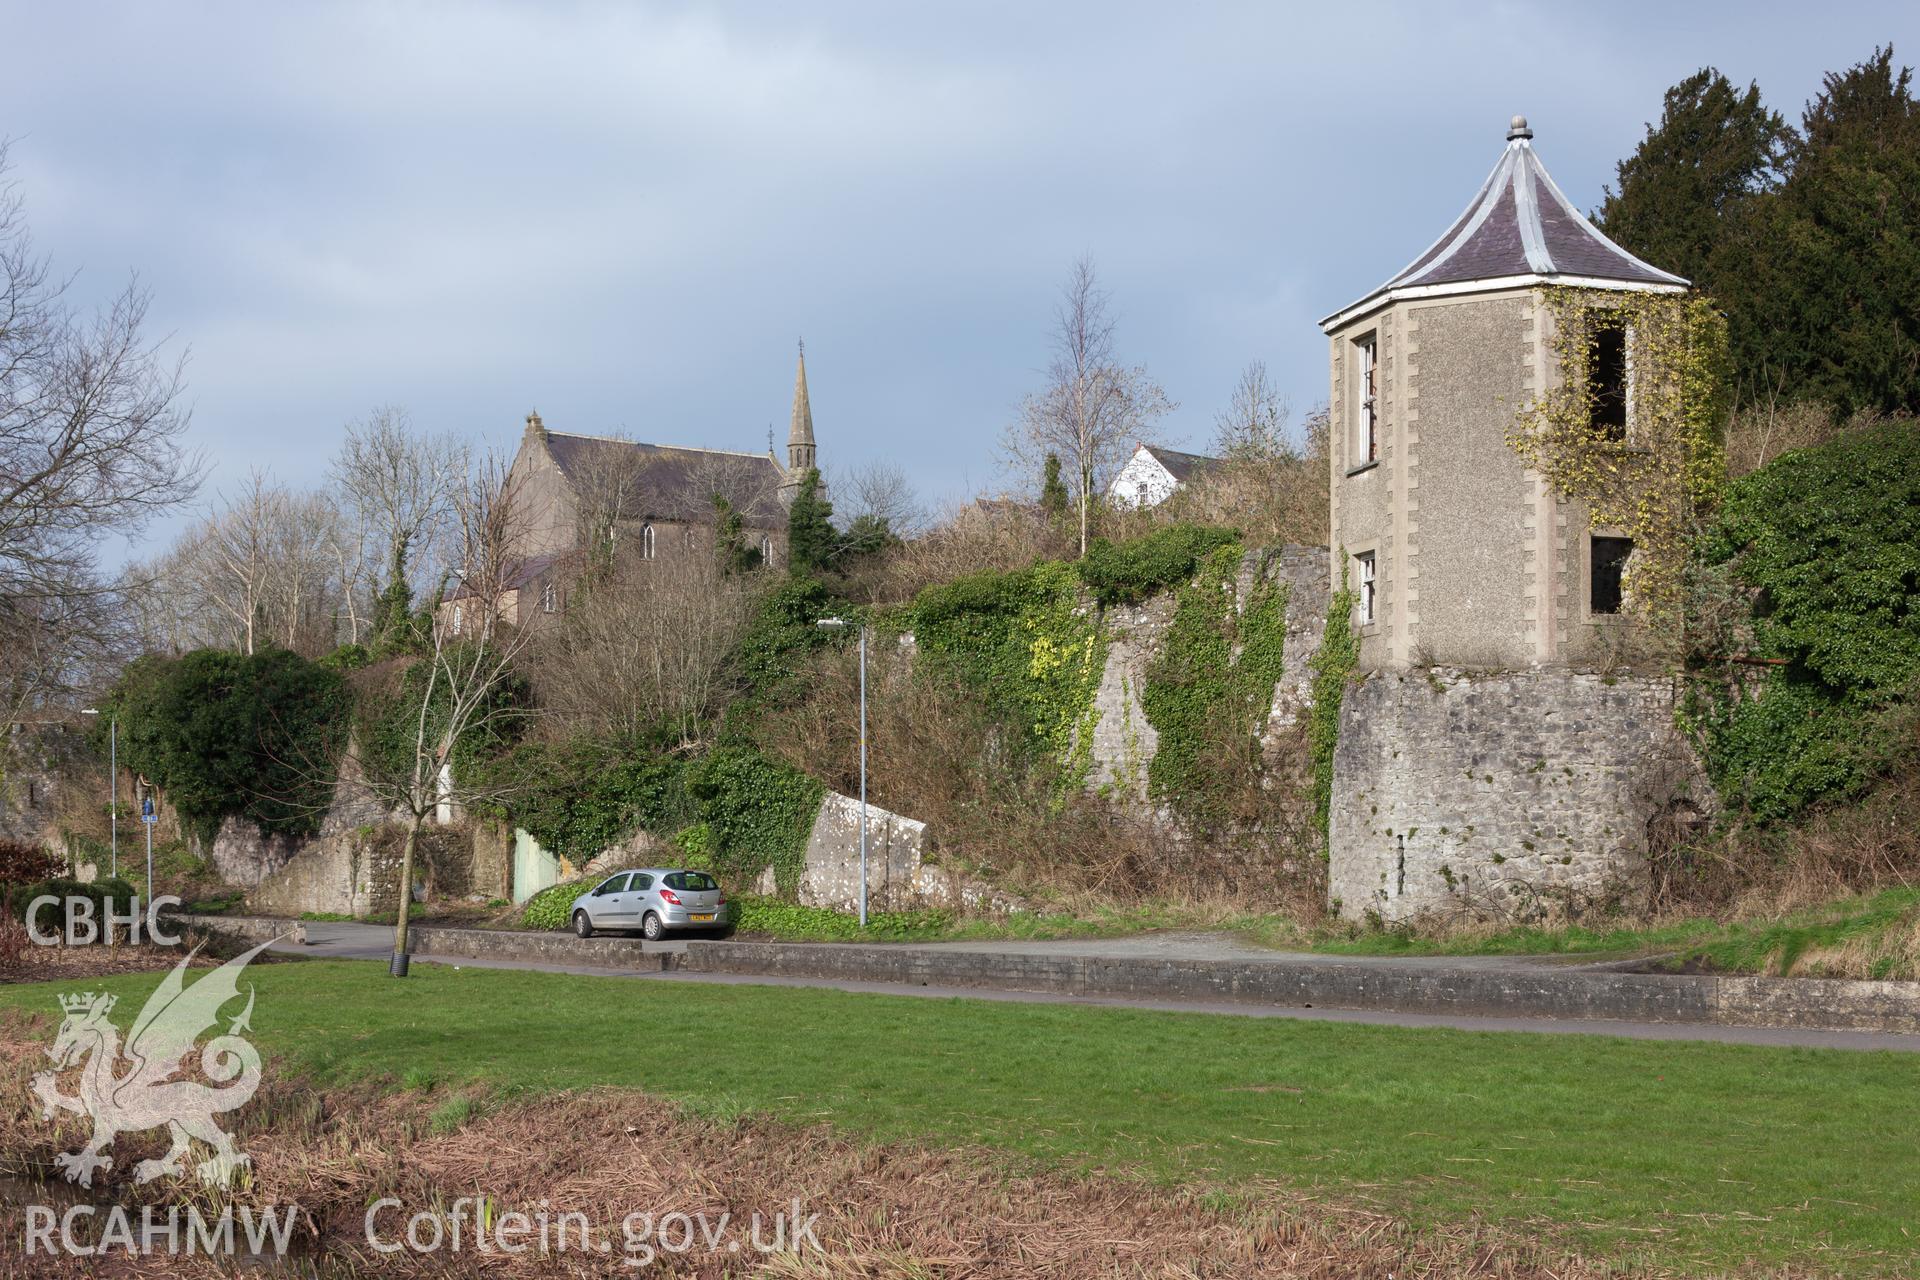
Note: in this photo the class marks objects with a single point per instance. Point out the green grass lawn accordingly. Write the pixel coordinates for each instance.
(1695, 1155)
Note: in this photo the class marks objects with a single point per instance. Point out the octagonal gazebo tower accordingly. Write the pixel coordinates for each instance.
(1459, 554)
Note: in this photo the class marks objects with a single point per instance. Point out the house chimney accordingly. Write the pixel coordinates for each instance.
(535, 427)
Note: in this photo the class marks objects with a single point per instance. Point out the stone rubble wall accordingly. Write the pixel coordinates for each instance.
(244, 856)
(1514, 796)
(1309, 583)
(352, 874)
(357, 872)
(1123, 743)
(898, 876)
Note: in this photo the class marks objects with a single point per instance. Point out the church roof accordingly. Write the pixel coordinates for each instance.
(671, 482)
(1520, 229)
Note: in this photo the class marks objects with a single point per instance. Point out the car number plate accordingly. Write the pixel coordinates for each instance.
(700, 915)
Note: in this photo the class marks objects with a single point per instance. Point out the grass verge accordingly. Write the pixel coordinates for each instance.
(1875, 936)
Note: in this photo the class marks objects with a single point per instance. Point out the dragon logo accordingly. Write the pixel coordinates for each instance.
(145, 1095)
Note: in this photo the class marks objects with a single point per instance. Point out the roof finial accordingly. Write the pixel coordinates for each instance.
(1518, 129)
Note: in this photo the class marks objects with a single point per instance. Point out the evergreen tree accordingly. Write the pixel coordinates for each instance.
(731, 539)
(1053, 490)
(393, 607)
(868, 535)
(1715, 149)
(810, 533)
(1821, 283)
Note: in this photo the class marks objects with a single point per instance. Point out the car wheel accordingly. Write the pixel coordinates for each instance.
(651, 928)
(582, 927)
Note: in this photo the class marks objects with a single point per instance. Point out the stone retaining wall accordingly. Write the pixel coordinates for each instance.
(1805, 1003)
(548, 948)
(1582, 994)
(1517, 796)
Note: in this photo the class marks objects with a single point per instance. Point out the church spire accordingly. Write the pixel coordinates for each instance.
(800, 434)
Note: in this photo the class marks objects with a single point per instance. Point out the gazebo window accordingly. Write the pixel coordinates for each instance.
(1606, 568)
(1607, 377)
(1366, 443)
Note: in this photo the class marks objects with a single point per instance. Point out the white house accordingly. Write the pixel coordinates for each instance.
(1153, 473)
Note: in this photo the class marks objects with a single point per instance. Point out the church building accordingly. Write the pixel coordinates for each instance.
(641, 502)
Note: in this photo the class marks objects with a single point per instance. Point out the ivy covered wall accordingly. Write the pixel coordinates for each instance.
(1208, 692)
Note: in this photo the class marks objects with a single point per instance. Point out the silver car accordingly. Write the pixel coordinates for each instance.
(652, 900)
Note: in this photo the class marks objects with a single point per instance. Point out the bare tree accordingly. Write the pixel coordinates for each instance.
(259, 569)
(229, 559)
(460, 680)
(877, 493)
(1253, 426)
(353, 579)
(301, 584)
(1093, 409)
(92, 444)
(643, 647)
(738, 479)
(1274, 491)
(400, 484)
(613, 482)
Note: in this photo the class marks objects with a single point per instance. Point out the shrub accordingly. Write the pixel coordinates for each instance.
(759, 812)
(1827, 541)
(580, 797)
(552, 907)
(790, 920)
(348, 657)
(1023, 645)
(234, 735)
(1129, 572)
(110, 892)
(773, 651)
(23, 862)
(1830, 538)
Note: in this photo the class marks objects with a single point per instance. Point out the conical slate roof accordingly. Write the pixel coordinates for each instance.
(1520, 229)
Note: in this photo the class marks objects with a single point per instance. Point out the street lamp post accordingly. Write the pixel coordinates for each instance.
(838, 624)
(113, 781)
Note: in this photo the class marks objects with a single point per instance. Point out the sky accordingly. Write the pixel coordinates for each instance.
(625, 215)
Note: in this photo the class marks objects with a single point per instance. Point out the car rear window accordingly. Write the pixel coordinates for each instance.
(694, 881)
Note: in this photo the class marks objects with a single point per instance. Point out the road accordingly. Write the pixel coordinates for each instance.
(375, 942)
